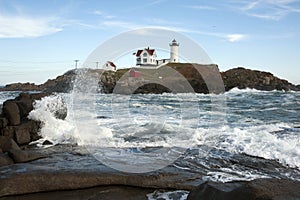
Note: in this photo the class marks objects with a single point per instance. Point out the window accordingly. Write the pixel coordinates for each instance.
(145, 54)
(145, 60)
(138, 59)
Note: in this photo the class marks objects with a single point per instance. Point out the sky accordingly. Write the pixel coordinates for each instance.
(40, 40)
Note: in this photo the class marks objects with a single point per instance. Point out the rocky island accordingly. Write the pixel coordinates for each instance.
(238, 77)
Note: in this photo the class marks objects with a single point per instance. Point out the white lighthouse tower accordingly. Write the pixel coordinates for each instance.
(174, 51)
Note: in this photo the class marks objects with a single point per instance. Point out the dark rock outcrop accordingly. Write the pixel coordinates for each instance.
(21, 156)
(5, 159)
(245, 78)
(173, 77)
(202, 79)
(16, 129)
(13, 153)
(21, 87)
(13, 121)
(7, 144)
(61, 83)
(259, 189)
(12, 112)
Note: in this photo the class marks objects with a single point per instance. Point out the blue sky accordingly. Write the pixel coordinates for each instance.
(41, 39)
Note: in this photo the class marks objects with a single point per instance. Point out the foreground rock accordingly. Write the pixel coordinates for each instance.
(17, 130)
(68, 167)
(71, 167)
(103, 193)
(271, 189)
(14, 122)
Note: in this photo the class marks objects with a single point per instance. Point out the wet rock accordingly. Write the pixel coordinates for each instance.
(22, 134)
(8, 131)
(65, 170)
(102, 117)
(5, 160)
(96, 193)
(24, 102)
(3, 122)
(7, 144)
(38, 96)
(14, 122)
(12, 112)
(271, 189)
(47, 142)
(20, 156)
(61, 111)
(26, 132)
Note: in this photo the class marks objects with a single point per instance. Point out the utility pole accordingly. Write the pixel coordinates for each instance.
(97, 65)
(76, 61)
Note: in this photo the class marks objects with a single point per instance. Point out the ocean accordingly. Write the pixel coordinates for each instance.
(239, 135)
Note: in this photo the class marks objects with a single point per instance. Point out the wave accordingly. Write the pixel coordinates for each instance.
(247, 135)
(257, 140)
(253, 90)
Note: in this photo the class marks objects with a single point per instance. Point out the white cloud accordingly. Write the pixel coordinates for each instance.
(128, 25)
(102, 14)
(23, 27)
(235, 37)
(269, 9)
(97, 12)
(200, 7)
(119, 24)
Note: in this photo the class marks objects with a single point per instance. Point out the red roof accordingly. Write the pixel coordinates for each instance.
(111, 63)
(150, 51)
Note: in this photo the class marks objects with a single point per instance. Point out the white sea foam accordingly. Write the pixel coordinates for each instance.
(246, 90)
(258, 140)
(228, 175)
(53, 129)
(170, 195)
(246, 135)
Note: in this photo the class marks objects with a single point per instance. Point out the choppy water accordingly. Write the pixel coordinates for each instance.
(239, 135)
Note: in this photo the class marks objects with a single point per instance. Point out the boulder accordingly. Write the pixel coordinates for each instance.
(7, 144)
(268, 189)
(20, 156)
(8, 131)
(12, 112)
(5, 160)
(39, 96)
(22, 135)
(3, 122)
(61, 112)
(24, 102)
(47, 142)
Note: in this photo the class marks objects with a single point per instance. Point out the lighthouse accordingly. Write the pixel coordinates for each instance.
(174, 51)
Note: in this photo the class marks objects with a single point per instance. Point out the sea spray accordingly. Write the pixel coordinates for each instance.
(53, 129)
(251, 128)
